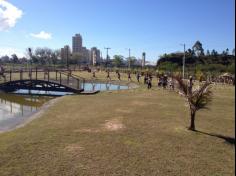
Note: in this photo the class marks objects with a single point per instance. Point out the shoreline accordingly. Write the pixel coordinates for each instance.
(35, 115)
(50, 103)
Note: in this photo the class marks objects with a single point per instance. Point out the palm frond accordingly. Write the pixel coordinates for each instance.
(183, 87)
(202, 96)
(198, 98)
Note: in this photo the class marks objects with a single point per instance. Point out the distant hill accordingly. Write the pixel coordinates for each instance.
(212, 63)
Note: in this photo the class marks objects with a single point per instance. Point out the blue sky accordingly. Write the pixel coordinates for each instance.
(153, 26)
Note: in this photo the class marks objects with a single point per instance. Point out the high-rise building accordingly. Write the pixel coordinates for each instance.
(65, 54)
(77, 43)
(95, 56)
(85, 54)
(62, 53)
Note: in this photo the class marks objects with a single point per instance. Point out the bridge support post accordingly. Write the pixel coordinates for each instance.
(60, 77)
(10, 74)
(21, 74)
(56, 75)
(48, 75)
(36, 70)
(30, 73)
(77, 83)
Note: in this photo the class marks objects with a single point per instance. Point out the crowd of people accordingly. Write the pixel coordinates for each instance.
(162, 80)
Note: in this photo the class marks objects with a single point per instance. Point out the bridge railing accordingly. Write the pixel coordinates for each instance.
(63, 77)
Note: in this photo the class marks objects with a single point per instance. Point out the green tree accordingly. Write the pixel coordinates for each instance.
(15, 59)
(214, 52)
(227, 51)
(117, 60)
(231, 68)
(132, 61)
(198, 49)
(208, 53)
(44, 55)
(77, 59)
(168, 67)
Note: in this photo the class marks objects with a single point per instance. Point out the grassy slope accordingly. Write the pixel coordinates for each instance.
(71, 138)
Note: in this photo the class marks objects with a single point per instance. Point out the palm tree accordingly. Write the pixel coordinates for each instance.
(197, 99)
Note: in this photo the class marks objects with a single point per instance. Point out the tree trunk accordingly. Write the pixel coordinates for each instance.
(192, 125)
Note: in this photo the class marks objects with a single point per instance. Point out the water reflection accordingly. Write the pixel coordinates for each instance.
(15, 109)
(91, 86)
(41, 92)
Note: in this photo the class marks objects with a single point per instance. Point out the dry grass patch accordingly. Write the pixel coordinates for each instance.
(133, 132)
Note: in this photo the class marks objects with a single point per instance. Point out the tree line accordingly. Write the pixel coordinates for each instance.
(46, 56)
(196, 59)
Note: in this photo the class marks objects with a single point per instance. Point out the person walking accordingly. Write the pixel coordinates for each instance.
(165, 81)
(129, 77)
(118, 75)
(145, 79)
(94, 76)
(149, 82)
(108, 75)
(172, 83)
(138, 76)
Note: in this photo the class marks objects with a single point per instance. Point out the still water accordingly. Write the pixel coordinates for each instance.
(89, 86)
(15, 109)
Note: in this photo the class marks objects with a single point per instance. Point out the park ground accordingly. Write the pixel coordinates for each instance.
(126, 132)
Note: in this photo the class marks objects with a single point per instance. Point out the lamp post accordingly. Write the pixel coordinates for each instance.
(129, 57)
(183, 60)
(107, 54)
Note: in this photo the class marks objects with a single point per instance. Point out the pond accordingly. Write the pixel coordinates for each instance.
(16, 108)
(90, 86)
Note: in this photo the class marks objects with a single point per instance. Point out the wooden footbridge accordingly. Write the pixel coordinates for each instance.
(42, 80)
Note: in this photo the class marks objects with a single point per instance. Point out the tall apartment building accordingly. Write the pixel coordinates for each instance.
(88, 56)
(85, 53)
(65, 54)
(95, 56)
(77, 43)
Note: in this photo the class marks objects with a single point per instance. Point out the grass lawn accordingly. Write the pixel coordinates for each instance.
(127, 132)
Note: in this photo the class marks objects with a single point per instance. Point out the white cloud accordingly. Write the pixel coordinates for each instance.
(42, 35)
(9, 51)
(9, 14)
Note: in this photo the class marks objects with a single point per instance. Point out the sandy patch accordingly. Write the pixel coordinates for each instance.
(74, 148)
(180, 129)
(124, 110)
(114, 124)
